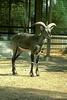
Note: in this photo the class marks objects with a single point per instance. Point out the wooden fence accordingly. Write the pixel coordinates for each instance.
(57, 45)
(58, 41)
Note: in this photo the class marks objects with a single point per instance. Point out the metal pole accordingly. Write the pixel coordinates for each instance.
(29, 17)
(26, 15)
(47, 11)
(50, 12)
(9, 29)
(49, 20)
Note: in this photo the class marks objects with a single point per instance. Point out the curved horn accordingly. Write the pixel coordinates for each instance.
(40, 23)
(51, 25)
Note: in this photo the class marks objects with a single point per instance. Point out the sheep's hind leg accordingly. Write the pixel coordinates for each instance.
(32, 62)
(15, 56)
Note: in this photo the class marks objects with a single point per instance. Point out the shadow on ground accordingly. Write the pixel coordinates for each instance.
(11, 93)
(55, 64)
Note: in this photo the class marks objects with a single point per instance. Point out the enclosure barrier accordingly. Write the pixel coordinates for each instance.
(58, 43)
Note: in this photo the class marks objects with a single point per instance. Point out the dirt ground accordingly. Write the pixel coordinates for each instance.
(50, 85)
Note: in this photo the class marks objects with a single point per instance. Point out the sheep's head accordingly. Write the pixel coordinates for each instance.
(46, 28)
(50, 27)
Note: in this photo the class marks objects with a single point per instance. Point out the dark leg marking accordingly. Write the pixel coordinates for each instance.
(37, 60)
(32, 61)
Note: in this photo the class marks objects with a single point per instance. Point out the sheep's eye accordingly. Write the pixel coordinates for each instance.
(41, 28)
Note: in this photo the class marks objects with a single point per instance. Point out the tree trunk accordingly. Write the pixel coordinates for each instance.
(38, 14)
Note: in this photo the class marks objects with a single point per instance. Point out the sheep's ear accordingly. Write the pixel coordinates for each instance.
(41, 28)
(52, 27)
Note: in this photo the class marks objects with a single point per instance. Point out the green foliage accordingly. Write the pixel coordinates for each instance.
(12, 13)
(59, 14)
(19, 13)
(4, 13)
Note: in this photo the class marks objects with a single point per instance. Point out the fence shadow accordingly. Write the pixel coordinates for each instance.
(55, 64)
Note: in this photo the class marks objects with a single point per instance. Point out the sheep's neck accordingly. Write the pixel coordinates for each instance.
(41, 38)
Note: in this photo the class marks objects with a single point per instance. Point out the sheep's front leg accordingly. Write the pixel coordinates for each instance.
(13, 66)
(37, 60)
(13, 61)
(32, 62)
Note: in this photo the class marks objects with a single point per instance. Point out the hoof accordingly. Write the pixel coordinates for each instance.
(31, 75)
(14, 73)
(37, 73)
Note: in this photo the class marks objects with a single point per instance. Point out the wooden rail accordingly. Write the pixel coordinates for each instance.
(59, 41)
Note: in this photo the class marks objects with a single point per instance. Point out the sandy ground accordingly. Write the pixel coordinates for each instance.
(50, 85)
